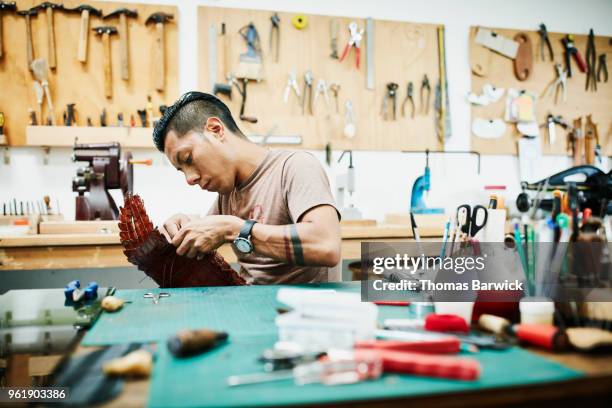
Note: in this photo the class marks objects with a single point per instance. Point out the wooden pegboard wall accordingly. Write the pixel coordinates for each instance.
(403, 52)
(74, 82)
(579, 102)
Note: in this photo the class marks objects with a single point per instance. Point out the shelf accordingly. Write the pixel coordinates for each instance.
(64, 136)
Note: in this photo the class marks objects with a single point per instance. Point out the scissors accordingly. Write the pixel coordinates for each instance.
(468, 219)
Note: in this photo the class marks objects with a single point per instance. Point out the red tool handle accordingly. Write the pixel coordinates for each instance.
(427, 365)
(391, 303)
(449, 345)
(580, 61)
(542, 335)
(344, 52)
(357, 55)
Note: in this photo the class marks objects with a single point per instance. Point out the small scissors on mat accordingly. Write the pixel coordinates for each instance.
(469, 223)
(156, 297)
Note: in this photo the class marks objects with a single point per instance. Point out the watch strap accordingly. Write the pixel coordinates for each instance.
(245, 231)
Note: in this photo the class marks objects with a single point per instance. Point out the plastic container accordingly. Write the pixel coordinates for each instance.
(537, 310)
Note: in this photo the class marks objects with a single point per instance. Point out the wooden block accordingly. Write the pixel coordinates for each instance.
(358, 223)
(78, 227)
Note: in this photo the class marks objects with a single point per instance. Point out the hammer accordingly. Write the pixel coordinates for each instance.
(86, 10)
(159, 19)
(28, 14)
(49, 7)
(5, 6)
(123, 14)
(106, 32)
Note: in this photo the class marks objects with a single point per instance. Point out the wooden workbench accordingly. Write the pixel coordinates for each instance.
(68, 251)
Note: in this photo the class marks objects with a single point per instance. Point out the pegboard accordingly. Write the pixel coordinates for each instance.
(579, 102)
(402, 52)
(83, 84)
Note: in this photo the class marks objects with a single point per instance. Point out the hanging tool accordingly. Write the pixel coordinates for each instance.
(40, 94)
(3, 140)
(592, 148)
(40, 70)
(551, 121)
(291, 85)
(251, 62)
(602, 70)
(86, 12)
(28, 14)
(420, 188)
(124, 54)
(69, 117)
(425, 101)
(496, 42)
(545, 41)
(576, 143)
(335, 89)
(334, 26)
(307, 92)
(4, 7)
(242, 89)
(370, 53)
(275, 35)
(159, 59)
(321, 89)
(523, 63)
(559, 84)
(350, 130)
(105, 32)
(355, 36)
(390, 98)
(299, 21)
(443, 125)
(49, 8)
(591, 60)
(156, 296)
(409, 98)
(572, 51)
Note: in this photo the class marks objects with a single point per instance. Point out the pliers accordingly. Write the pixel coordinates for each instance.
(307, 92)
(291, 84)
(425, 87)
(409, 97)
(571, 50)
(544, 40)
(354, 41)
(591, 59)
(602, 69)
(321, 88)
(559, 83)
(392, 96)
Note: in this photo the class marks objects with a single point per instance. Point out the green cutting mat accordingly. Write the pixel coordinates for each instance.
(247, 314)
(238, 310)
(201, 381)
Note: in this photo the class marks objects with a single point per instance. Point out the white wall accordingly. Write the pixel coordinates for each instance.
(384, 180)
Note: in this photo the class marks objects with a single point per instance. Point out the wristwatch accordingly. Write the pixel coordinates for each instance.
(243, 242)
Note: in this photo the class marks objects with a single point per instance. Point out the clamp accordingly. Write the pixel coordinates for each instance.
(307, 94)
(571, 50)
(409, 93)
(291, 84)
(559, 83)
(390, 96)
(73, 292)
(602, 69)
(544, 40)
(355, 36)
(425, 101)
(321, 89)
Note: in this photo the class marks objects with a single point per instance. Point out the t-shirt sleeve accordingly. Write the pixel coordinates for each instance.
(305, 185)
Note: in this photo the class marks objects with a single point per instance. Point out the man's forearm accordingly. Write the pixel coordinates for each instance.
(304, 243)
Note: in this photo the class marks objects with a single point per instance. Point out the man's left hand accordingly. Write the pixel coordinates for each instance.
(205, 234)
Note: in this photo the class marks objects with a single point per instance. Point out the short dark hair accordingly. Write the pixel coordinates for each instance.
(190, 112)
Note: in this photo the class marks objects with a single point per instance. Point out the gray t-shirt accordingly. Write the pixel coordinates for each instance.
(282, 188)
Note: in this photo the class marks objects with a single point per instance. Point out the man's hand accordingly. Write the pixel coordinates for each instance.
(205, 234)
(173, 225)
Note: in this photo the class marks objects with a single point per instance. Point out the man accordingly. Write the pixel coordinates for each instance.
(275, 207)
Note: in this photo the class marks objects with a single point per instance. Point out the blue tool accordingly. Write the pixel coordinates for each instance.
(422, 185)
(73, 291)
(467, 219)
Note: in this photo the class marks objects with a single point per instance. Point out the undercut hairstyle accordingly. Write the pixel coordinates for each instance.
(190, 112)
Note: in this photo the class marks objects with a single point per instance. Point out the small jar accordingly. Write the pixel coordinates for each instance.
(537, 310)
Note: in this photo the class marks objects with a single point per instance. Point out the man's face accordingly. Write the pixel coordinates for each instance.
(204, 158)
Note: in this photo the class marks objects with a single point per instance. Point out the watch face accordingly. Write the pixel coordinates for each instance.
(243, 245)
